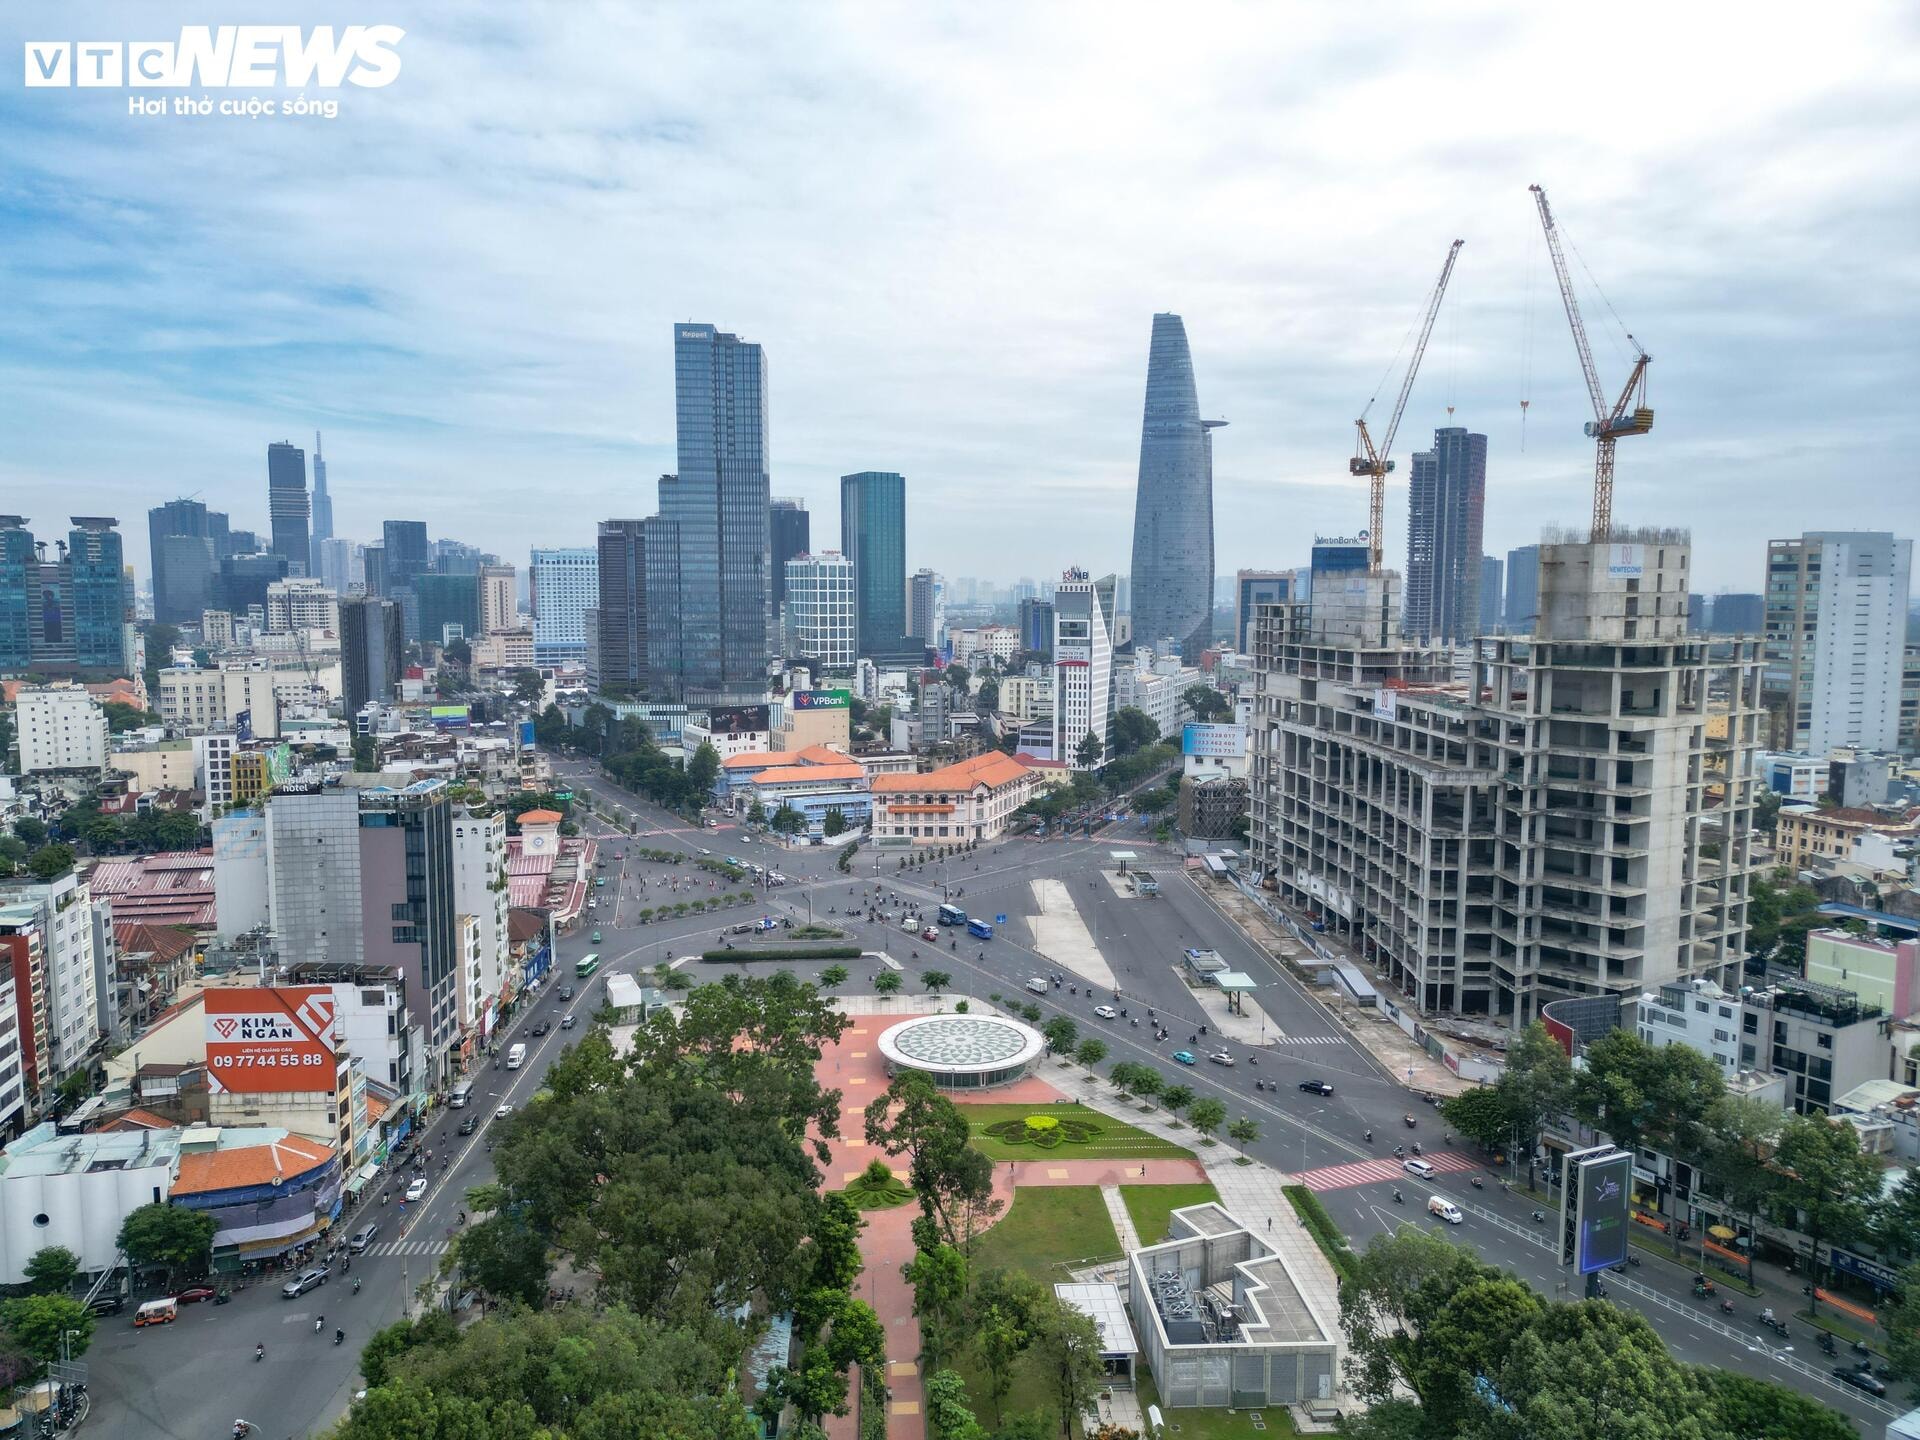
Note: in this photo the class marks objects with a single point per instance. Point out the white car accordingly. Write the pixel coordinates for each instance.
(1221, 1057)
(417, 1188)
(506, 1109)
(1417, 1167)
(1106, 1012)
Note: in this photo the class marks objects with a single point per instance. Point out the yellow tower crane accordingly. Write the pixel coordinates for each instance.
(1373, 462)
(1608, 424)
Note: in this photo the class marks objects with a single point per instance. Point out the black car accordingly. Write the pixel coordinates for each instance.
(566, 992)
(1860, 1380)
(1316, 1087)
(107, 1304)
(542, 1027)
(470, 1124)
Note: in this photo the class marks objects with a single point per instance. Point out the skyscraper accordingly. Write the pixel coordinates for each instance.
(66, 614)
(1083, 616)
(1036, 626)
(1172, 578)
(1523, 589)
(497, 601)
(1446, 511)
(1492, 594)
(563, 584)
(927, 608)
(1836, 621)
(1256, 587)
(372, 650)
(617, 655)
(322, 508)
(288, 505)
(873, 535)
(821, 608)
(717, 504)
(447, 603)
(792, 535)
(407, 552)
(185, 559)
(19, 570)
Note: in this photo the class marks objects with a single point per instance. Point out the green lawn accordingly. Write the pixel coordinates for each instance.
(1215, 1424)
(1149, 1205)
(1117, 1140)
(1047, 1225)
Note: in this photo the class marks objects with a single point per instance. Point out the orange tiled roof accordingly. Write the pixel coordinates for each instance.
(822, 755)
(164, 942)
(138, 1120)
(248, 1165)
(785, 774)
(541, 817)
(761, 759)
(992, 770)
(376, 1108)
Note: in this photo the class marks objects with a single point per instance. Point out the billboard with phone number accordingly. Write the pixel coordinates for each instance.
(270, 1039)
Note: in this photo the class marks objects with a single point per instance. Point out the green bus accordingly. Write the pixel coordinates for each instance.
(584, 967)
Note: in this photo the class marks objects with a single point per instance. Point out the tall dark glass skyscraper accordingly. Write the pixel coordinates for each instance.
(1173, 507)
(717, 507)
(322, 507)
(186, 543)
(792, 535)
(873, 535)
(1446, 514)
(288, 505)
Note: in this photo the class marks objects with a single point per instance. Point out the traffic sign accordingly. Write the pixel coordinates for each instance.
(999, 919)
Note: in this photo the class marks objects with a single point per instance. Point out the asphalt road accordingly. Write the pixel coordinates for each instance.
(193, 1378)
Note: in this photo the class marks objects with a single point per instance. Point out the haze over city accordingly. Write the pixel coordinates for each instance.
(950, 233)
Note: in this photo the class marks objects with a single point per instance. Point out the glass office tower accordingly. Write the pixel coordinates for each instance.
(873, 535)
(1173, 507)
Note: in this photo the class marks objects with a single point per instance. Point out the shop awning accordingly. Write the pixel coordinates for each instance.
(361, 1176)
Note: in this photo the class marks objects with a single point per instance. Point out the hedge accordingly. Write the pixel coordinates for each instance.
(792, 952)
(1320, 1225)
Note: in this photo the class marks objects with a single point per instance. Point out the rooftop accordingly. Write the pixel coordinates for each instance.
(239, 1167)
(991, 770)
(541, 817)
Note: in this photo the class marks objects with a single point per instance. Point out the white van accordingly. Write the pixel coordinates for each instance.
(462, 1095)
(516, 1057)
(1445, 1209)
(1037, 985)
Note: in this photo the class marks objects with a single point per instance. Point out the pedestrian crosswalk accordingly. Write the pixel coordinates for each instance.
(1373, 1172)
(1309, 1040)
(408, 1247)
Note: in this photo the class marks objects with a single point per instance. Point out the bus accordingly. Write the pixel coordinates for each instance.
(952, 915)
(980, 929)
(584, 967)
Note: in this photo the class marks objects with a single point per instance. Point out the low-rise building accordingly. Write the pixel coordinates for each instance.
(156, 765)
(802, 718)
(1804, 834)
(1212, 807)
(1790, 774)
(971, 800)
(1881, 972)
(61, 729)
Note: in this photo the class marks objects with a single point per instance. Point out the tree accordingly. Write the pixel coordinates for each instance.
(169, 1235)
(1825, 1176)
(948, 1415)
(1206, 1115)
(833, 822)
(952, 1181)
(703, 771)
(1001, 1339)
(1131, 729)
(1061, 1034)
(1647, 1095)
(1176, 1098)
(38, 1324)
(934, 981)
(1122, 1075)
(1751, 1409)
(50, 862)
(756, 813)
(832, 977)
(528, 687)
(122, 717)
(1088, 752)
(958, 677)
(1594, 1371)
(30, 831)
(51, 1270)
(986, 700)
(787, 820)
(1896, 1225)
(1480, 1114)
(887, 982)
(1900, 1313)
(1244, 1131)
(939, 1280)
(1091, 1053)
(505, 1258)
(1537, 1084)
(1067, 1347)
(1740, 1132)
(366, 755)
(1208, 705)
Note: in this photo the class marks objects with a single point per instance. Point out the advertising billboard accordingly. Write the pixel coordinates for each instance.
(738, 719)
(1599, 1184)
(1214, 742)
(820, 699)
(270, 1039)
(454, 717)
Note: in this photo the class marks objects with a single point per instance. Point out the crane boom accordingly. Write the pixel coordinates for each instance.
(1374, 462)
(1609, 422)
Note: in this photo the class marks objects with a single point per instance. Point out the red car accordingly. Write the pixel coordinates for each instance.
(193, 1294)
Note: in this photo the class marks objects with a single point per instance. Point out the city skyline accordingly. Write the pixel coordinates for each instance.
(1019, 371)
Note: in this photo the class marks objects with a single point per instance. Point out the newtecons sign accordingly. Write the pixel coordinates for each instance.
(270, 1040)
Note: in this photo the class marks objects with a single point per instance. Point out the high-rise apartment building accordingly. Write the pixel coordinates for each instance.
(1836, 618)
(562, 584)
(1542, 831)
(288, 505)
(449, 607)
(1036, 626)
(302, 605)
(1252, 588)
(372, 651)
(185, 540)
(1172, 578)
(1492, 594)
(711, 642)
(1738, 614)
(822, 607)
(617, 631)
(792, 534)
(927, 608)
(1447, 496)
(873, 536)
(322, 511)
(1083, 627)
(1522, 603)
(498, 607)
(59, 913)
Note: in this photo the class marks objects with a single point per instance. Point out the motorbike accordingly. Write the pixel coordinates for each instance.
(1369, 1137)
(1411, 1122)
(259, 1353)
(339, 1336)
(1826, 1344)
(1702, 1289)
(1398, 1198)
(1726, 1307)
(319, 1323)
(1416, 1147)
(356, 1284)
(1477, 1183)
(1539, 1217)
(1259, 1084)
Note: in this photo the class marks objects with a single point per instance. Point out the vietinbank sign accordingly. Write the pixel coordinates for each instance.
(224, 57)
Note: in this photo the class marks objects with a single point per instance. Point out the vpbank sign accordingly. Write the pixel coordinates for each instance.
(224, 57)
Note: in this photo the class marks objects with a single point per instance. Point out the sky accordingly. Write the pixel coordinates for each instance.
(950, 226)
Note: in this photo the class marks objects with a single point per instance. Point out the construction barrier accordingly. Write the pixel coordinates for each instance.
(1846, 1307)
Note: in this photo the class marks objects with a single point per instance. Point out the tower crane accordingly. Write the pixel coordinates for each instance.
(1373, 462)
(1608, 423)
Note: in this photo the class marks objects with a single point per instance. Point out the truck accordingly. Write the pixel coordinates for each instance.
(516, 1057)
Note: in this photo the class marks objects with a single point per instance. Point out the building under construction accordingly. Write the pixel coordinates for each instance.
(1496, 826)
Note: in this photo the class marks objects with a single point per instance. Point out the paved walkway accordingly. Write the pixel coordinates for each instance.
(1122, 1220)
(1062, 936)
